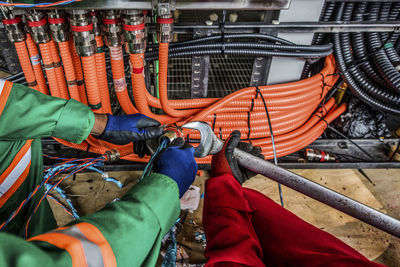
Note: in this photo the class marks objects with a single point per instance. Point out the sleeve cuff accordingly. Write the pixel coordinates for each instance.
(161, 194)
(75, 123)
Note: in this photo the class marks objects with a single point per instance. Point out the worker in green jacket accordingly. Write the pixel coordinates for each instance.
(127, 232)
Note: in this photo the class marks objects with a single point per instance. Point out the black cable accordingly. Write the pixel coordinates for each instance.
(258, 92)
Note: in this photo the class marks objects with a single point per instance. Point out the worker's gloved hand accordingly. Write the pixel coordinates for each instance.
(122, 130)
(224, 162)
(179, 164)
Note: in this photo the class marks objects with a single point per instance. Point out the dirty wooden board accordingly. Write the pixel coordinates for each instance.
(366, 239)
(90, 193)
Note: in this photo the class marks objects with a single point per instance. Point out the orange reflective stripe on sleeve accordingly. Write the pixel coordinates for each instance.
(5, 89)
(71, 244)
(93, 234)
(16, 173)
(88, 246)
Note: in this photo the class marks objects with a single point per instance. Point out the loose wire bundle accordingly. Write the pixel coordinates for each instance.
(69, 166)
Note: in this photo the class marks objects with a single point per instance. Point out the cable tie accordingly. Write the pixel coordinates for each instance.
(215, 119)
(71, 83)
(165, 20)
(85, 28)
(31, 84)
(95, 107)
(39, 23)
(11, 21)
(57, 64)
(100, 49)
(137, 70)
(111, 21)
(48, 66)
(132, 28)
(80, 82)
(388, 45)
(56, 20)
(248, 125)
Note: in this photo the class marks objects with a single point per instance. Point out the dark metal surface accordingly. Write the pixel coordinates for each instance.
(181, 4)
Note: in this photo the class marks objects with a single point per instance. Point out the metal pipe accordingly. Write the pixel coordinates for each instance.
(320, 193)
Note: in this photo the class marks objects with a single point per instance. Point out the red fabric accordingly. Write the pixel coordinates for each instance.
(245, 227)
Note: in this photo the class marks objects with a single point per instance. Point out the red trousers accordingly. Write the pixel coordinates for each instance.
(245, 228)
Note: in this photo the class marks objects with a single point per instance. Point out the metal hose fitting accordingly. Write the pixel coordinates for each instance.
(82, 32)
(134, 31)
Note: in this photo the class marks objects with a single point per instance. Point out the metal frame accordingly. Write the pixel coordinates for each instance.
(253, 27)
(378, 148)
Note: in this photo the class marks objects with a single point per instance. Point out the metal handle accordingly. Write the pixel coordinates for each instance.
(320, 193)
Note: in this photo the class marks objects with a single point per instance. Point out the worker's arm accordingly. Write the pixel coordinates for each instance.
(127, 232)
(29, 114)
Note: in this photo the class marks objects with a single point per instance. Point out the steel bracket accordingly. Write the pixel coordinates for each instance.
(200, 70)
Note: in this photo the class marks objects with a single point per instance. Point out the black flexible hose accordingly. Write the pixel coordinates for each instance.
(241, 45)
(392, 38)
(349, 79)
(243, 52)
(379, 57)
(359, 77)
(326, 14)
(259, 36)
(360, 50)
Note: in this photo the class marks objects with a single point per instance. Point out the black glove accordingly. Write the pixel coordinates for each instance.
(122, 130)
(224, 161)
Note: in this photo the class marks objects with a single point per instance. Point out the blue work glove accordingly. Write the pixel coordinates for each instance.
(122, 130)
(178, 164)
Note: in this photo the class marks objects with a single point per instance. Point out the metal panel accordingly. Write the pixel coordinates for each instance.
(289, 69)
(181, 4)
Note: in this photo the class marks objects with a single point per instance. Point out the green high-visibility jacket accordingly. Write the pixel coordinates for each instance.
(127, 232)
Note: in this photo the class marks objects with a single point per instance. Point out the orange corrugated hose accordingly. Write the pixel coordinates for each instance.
(162, 77)
(92, 86)
(69, 70)
(76, 60)
(139, 88)
(118, 72)
(48, 65)
(102, 75)
(62, 86)
(294, 128)
(36, 64)
(26, 65)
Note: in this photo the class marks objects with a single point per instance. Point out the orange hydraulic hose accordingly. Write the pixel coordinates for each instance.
(62, 86)
(49, 69)
(163, 71)
(118, 72)
(92, 86)
(102, 75)
(290, 105)
(26, 65)
(139, 88)
(36, 64)
(76, 60)
(69, 70)
(292, 145)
